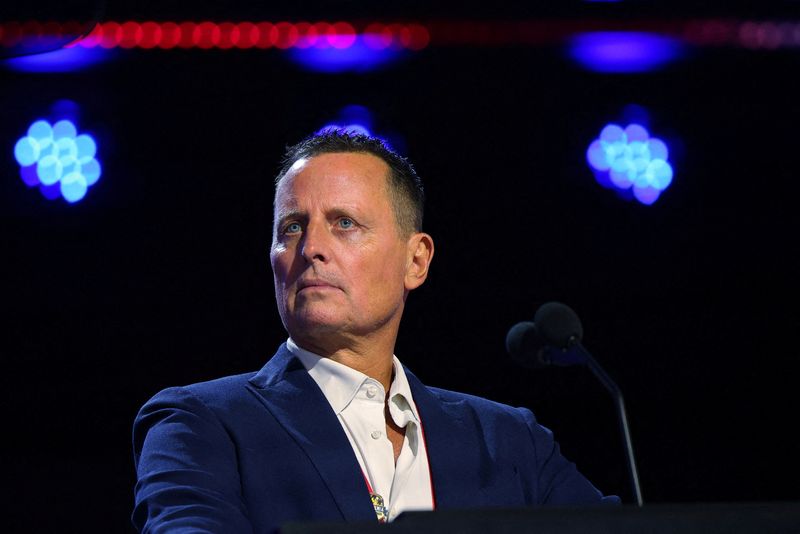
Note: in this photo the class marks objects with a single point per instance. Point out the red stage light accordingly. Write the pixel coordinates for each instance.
(307, 35)
(269, 35)
(205, 35)
(92, 39)
(285, 35)
(186, 38)
(228, 35)
(52, 31)
(377, 36)
(31, 31)
(396, 31)
(170, 35)
(419, 37)
(344, 35)
(324, 31)
(110, 35)
(151, 35)
(265, 38)
(131, 34)
(73, 30)
(248, 35)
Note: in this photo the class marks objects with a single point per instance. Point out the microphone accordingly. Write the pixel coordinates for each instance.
(560, 325)
(554, 338)
(525, 345)
(528, 347)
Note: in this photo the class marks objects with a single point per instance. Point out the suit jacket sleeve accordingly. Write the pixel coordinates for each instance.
(186, 468)
(558, 479)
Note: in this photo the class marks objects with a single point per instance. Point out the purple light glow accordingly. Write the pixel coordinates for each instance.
(623, 52)
(360, 56)
(63, 60)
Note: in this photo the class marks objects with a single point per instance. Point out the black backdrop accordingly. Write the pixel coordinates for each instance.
(161, 275)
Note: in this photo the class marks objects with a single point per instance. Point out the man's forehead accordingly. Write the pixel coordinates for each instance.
(297, 166)
(332, 167)
(340, 178)
(353, 160)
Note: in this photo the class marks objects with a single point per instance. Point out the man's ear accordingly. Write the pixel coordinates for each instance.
(418, 259)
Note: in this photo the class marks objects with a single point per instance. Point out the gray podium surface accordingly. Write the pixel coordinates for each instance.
(705, 518)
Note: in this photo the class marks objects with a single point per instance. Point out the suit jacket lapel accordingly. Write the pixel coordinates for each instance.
(456, 455)
(295, 400)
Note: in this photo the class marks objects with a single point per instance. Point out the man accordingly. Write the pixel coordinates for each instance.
(333, 427)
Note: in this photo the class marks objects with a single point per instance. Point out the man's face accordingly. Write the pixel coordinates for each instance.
(338, 258)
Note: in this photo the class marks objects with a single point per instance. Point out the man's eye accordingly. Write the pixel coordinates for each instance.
(345, 223)
(292, 228)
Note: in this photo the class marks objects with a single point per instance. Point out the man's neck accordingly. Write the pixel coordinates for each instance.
(379, 368)
(374, 362)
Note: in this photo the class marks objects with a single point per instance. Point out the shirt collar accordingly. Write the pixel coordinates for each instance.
(340, 383)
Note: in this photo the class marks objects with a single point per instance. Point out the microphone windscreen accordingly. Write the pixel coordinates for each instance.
(523, 343)
(558, 324)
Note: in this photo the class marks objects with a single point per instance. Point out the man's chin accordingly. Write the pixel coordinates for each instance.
(315, 325)
(319, 337)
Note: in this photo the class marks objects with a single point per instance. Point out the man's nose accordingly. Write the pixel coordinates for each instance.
(315, 244)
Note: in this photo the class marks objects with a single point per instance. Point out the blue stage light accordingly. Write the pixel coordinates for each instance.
(64, 129)
(348, 128)
(58, 160)
(71, 59)
(358, 57)
(73, 187)
(631, 161)
(353, 119)
(86, 147)
(624, 51)
(359, 119)
(26, 151)
(357, 114)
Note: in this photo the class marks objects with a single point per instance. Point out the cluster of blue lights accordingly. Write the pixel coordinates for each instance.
(58, 160)
(630, 160)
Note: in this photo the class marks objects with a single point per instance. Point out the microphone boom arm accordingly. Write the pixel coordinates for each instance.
(619, 402)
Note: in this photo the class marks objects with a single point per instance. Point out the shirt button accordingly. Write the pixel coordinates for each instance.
(376, 434)
(372, 391)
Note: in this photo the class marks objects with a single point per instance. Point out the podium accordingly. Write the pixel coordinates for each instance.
(700, 518)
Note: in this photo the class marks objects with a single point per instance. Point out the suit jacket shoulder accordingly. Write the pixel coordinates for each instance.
(512, 459)
(252, 451)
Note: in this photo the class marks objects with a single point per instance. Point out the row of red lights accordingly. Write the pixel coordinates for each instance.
(749, 34)
(283, 35)
(225, 35)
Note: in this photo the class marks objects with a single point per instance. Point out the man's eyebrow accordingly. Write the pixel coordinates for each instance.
(290, 214)
(343, 211)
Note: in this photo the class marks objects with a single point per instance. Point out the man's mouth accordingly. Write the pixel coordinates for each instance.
(313, 284)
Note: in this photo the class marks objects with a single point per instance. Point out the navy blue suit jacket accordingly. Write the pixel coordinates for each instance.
(248, 453)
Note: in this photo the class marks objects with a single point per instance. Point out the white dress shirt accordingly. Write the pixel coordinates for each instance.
(358, 401)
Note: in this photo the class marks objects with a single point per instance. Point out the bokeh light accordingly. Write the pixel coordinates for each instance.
(70, 59)
(58, 160)
(359, 119)
(353, 118)
(624, 52)
(631, 161)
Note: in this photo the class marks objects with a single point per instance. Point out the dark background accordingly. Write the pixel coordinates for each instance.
(161, 275)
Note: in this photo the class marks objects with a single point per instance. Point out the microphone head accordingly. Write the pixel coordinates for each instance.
(524, 344)
(558, 325)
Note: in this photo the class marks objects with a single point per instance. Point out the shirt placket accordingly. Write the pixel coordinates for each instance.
(374, 447)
